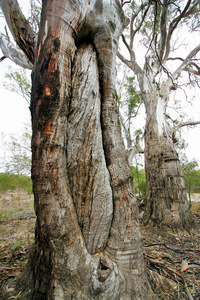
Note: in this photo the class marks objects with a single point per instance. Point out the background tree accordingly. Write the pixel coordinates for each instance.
(191, 176)
(17, 81)
(17, 157)
(157, 23)
(87, 242)
(129, 101)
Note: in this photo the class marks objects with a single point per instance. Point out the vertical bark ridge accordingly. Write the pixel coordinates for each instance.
(57, 221)
(166, 196)
(89, 177)
(168, 205)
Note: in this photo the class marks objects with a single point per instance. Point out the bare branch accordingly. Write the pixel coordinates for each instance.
(134, 31)
(191, 70)
(188, 123)
(163, 28)
(23, 34)
(186, 61)
(124, 60)
(131, 64)
(126, 2)
(132, 151)
(185, 13)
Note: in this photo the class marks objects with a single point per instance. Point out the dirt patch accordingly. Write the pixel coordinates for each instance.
(172, 258)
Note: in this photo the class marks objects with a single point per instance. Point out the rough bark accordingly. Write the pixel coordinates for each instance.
(87, 244)
(166, 198)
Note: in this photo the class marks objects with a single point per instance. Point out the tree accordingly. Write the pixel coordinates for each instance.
(18, 82)
(87, 242)
(157, 22)
(129, 101)
(190, 174)
(18, 153)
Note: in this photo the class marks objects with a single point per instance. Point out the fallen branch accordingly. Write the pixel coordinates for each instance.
(173, 249)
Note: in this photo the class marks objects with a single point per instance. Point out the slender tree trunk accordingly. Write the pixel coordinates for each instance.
(165, 190)
(87, 244)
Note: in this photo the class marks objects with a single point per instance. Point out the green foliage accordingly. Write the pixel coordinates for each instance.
(19, 83)
(139, 180)
(191, 176)
(14, 182)
(132, 98)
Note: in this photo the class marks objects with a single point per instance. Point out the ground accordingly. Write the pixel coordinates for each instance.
(172, 257)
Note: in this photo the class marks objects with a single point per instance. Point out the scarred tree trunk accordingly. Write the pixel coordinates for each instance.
(166, 198)
(87, 243)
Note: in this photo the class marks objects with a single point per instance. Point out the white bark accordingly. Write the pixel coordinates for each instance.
(14, 53)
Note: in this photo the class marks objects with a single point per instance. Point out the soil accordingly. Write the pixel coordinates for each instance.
(172, 257)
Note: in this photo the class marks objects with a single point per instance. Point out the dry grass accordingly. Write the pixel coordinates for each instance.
(195, 208)
(16, 233)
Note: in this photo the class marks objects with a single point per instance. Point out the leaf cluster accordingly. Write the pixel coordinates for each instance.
(19, 83)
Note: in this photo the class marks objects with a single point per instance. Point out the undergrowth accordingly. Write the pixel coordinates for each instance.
(15, 182)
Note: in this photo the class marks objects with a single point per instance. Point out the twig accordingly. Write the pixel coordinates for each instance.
(173, 249)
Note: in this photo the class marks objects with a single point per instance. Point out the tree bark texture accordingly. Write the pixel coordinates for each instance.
(166, 198)
(88, 244)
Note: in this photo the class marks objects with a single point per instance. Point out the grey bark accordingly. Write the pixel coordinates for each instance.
(87, 243)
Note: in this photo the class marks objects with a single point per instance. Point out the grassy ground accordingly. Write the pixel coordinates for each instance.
(17, 222)
(164, 251)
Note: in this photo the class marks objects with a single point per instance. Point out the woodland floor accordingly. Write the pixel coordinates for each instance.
(174, 255)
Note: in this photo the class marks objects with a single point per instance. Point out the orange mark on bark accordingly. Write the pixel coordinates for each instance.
(55, 175)
(120, 182)
(37, 106)
(124, 195)
(47, 91)
(72, 245)
(47, 128)
(38, 51)
(52, 65)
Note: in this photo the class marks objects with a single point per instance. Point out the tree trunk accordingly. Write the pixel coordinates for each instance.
(87, 243)
(166, 196)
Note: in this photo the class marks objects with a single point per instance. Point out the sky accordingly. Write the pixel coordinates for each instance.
(14, 112)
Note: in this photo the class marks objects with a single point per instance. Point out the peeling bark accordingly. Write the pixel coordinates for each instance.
(13, 53)
(88, 244)
(23, 34)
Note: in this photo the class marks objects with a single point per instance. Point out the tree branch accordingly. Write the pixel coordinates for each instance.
(173, 25)
(132, 31)
(132, 151)
(186, 62)
(22, 32)
(188, 123)
(13, 53)
(163, 28)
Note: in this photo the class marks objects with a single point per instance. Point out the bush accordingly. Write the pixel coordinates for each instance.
(139, 180)
(14, 182)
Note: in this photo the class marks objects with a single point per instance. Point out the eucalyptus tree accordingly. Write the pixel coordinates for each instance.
(158, 24)
(129, 101)
(87, 241)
